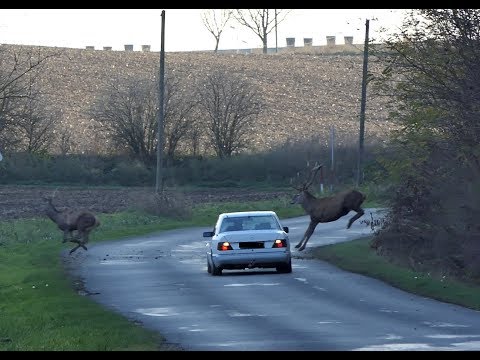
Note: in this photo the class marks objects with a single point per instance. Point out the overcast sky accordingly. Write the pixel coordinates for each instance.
(184, 30)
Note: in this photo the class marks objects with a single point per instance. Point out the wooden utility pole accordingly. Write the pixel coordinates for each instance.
(332, 147)
(276, 37)
(159, 178)
(362, 107)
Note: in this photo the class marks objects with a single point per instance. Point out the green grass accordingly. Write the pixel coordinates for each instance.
(357, 256)
(40, 309)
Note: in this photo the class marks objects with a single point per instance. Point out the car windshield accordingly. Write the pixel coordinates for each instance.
(256, 222)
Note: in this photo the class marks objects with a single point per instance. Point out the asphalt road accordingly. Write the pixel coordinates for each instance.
(161, 280)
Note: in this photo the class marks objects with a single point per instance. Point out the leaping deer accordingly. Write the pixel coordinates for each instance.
(326, 209)
(71, 220)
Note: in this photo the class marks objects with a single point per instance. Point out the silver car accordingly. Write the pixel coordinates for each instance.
(247, 240)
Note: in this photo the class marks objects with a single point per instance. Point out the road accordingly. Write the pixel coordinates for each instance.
(161, 280)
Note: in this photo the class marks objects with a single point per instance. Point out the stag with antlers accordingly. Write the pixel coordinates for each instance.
(326, 209)
(70, 220)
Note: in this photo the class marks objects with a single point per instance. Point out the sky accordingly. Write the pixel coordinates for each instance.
(184, 29)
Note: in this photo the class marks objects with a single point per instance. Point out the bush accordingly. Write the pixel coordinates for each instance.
(170, 204)
(131, 174)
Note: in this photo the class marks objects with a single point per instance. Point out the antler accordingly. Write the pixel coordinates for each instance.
(307, 183)
(296, 187)
(312, 175)
(49, 198)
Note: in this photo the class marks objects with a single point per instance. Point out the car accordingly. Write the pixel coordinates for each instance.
(246, 240)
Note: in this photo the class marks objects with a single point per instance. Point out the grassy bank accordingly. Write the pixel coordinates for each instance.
(357, 256)
(40, 309)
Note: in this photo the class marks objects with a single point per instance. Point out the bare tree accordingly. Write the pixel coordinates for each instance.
(231, 105)
(15, 86)
(194, 135)
(179, 116)
(30, 124)
(65, 141)
(261, 21)
(127, 111)
(215, 21)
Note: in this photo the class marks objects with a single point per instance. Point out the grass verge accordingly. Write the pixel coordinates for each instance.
(357, 256)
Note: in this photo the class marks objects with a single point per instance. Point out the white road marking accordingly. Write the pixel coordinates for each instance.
(254, 284)
(157, 312)
(439, 324)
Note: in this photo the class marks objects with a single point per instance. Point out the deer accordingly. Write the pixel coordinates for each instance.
(326, 209)
(70, 220)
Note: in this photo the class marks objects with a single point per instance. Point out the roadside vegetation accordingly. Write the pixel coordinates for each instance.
(359, 257)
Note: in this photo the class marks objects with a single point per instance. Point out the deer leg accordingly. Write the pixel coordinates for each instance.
(76, 247)
(360, 213)
(79, 244)
(301, 245)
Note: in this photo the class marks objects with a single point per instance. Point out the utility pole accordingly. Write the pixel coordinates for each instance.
(159, 180)
(362, 107)
(276, 34)
(332, 146)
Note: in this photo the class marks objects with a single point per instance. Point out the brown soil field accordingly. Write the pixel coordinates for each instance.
(17, 202)
(303, 93)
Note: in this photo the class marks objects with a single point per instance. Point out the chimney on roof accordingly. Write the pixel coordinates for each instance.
(145, 48)
(348, 40)
(128, 47)
(291, 42)
(107, 48)
(90, 47)
(307, 41)
(330, 40)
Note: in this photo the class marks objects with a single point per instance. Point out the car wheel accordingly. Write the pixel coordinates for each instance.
(286, 268)
(216, 271)
(209, 268)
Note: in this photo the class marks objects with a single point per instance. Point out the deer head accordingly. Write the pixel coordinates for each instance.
(303, 188)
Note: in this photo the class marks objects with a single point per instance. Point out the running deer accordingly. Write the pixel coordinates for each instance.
(70, 220)
(326, 209)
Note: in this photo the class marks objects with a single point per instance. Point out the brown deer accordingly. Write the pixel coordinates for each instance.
(70, 220)
(326, 209)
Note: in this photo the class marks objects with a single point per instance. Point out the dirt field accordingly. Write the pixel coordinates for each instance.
(27, 201)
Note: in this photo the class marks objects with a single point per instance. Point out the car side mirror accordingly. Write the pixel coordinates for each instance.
(285, 228)
(208, 234)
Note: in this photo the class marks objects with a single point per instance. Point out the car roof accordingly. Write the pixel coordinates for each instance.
(247, 213)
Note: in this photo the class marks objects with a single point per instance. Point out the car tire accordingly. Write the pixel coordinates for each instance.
(216, 271)
(286, 268)
(209, 267)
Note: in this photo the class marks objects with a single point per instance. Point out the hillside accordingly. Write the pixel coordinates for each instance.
(305, 93)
